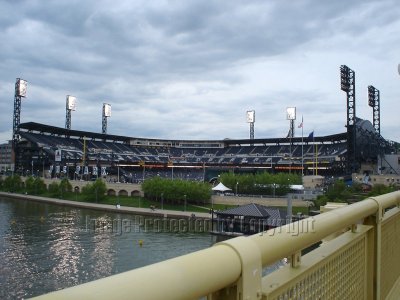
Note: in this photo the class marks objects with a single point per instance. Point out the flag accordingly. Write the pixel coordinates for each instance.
(311, 135)
(103, 171)
(57, 155)
(301, 124)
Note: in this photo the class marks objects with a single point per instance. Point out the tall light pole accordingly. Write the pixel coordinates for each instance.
(251, 118)
(70, 106)
(348, 85)
(106, 113)
(118, 172)
(20, 92)
(291, 116)
(237, 183)
(184, 196)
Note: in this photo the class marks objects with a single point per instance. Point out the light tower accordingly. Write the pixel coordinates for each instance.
(348, 85)
(374, 102)
(20, 92)
(251, 118)
(69, 106)
(291, 116)
(105, 114)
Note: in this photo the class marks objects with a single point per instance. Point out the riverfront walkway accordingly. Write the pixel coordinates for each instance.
(106, 207)
(228, 200)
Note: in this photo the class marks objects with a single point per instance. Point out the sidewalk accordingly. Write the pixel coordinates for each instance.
(106, 207)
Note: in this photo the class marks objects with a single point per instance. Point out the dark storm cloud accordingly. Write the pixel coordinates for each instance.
(189, 69)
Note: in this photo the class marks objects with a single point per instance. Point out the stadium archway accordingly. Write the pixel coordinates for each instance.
(122, 193)
(135, 193)
(111, 192)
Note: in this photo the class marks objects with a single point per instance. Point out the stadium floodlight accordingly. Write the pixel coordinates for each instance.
(371, 96)
(20, 91)
(22, 85)
(291, 116)
(250, 116)
(348, 85)
(374, 102)
(344, 78)
(106, 114)
(107, 110)
(71, 102)
(70, 105)
(291, 113)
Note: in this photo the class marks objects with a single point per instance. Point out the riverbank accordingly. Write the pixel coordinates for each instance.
(112, 208)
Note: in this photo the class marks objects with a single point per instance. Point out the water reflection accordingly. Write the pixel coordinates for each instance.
(46, 247)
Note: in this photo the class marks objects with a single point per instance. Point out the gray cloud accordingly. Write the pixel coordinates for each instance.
(190, 69)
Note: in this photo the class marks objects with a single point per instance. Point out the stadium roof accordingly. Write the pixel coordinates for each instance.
(58, 131)
(53, 130)
(252, 210)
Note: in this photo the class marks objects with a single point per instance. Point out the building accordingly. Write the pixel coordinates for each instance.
(6, 157)
(247, 219)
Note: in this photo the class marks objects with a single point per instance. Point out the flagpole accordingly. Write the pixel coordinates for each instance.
(313, 155)
(316, 160)
(302, 146)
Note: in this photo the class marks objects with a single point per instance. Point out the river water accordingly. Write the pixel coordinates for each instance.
(46, 247)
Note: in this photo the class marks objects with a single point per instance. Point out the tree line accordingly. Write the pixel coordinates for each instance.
(260, 183)
(176, 191)
(93, 192)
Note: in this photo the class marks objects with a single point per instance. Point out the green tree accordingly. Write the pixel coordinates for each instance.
(320, 201)
(263, 183)
(338, 192)
(380, 189)
(65, 186)
(94, 192)
(174, 191)
(54, 189)
(13, 183)
(35, 185)
(30, 185)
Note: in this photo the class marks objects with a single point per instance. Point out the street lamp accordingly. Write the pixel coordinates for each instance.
(237, 183)
(184, 197)
(162, 200)
(118, 172)
(274, 186)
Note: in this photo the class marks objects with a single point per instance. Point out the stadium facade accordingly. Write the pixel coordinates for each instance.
(55, 152)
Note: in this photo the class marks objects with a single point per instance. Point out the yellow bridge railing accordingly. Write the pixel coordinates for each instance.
(359, 258)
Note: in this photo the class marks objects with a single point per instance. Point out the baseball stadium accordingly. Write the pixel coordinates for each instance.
(49, 151)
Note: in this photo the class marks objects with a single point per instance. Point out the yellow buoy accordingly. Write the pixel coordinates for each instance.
(140, 243)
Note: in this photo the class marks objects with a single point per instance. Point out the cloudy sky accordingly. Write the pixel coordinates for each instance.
(191, 69)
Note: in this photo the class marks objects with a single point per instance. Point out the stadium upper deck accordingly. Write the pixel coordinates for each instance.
(40, 144)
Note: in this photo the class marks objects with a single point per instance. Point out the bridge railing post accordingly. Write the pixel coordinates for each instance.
(249, 284)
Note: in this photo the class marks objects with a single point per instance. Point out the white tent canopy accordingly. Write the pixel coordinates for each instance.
(221, 188)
